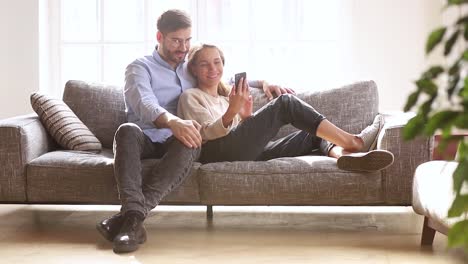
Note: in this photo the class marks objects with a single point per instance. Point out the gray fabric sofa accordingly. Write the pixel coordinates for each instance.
(34, 170)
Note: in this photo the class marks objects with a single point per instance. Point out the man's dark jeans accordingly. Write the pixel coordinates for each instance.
(140, 193)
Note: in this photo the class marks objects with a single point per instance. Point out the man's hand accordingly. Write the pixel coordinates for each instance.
(187, 131)
(271, 89)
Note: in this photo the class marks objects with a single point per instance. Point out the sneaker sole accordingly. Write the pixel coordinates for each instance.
(374, 160)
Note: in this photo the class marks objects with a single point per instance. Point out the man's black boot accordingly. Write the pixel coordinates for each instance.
(132, 233)
(110, 227)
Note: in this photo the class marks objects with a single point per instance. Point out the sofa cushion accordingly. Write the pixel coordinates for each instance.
(351, 107)
(100, 107)
(304, 180)
(83, 177)
(433, 191)
(63, 125)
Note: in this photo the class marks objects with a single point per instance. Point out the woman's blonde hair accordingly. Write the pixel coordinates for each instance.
(193, 57)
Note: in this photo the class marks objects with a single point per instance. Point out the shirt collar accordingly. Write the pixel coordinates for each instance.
(161, 61)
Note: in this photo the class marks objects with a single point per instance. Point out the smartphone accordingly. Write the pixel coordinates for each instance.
(238, 76)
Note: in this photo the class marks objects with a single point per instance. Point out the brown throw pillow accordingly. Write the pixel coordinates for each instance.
(63, 125)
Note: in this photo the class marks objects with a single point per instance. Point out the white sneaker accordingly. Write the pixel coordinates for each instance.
(370, 133)
(373, 160)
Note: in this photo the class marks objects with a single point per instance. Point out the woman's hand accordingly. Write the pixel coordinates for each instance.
(246, 110)
(237, 96)
(237, 99)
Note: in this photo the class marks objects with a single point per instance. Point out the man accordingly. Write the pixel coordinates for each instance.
(152, 88)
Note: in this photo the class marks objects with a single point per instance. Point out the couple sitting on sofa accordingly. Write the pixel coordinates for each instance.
(231, 132)
(214, 115)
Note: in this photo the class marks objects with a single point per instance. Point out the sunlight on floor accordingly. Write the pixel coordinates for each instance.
(235, 234)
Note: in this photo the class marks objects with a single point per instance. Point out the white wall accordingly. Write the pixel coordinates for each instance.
(387, 43)
(19, 55)
(388, 40)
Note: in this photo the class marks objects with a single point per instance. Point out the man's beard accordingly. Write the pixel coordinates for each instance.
(174, 56)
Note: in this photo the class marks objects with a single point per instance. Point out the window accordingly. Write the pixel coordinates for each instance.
(297, 43)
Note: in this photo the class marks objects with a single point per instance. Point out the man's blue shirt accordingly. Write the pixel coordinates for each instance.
(152, 87)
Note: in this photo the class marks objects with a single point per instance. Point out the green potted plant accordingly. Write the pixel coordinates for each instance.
(446, 82)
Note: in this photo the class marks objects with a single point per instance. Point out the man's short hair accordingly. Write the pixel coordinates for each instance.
(173, 20)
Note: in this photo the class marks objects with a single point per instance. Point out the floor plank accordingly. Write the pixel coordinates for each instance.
(183, 234)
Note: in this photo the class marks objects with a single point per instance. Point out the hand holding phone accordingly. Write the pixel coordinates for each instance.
(237, 78)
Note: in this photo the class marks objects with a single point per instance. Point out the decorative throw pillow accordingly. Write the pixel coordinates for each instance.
(63, 125)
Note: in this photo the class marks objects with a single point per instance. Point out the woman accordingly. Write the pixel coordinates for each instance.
(231, 132)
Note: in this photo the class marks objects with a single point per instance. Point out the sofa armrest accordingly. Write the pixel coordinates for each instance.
(398, 178)
(22, 139)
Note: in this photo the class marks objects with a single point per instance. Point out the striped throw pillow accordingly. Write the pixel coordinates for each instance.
(63, 125)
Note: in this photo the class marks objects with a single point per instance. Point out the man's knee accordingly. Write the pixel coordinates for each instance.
(182, 148)
(127, 131)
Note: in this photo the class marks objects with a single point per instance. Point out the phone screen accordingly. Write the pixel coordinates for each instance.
(238, 76)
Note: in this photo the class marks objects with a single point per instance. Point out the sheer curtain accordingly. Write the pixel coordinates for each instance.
(297, 43)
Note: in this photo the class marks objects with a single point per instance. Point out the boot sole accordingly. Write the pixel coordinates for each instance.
(125, 248)
(104, 233)
(374, 160)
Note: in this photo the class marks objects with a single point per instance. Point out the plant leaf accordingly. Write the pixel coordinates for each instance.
(459, 176)
(446, 134)
(425, 108)
(414, 127)
(450, 42)
(455, 68)
(464, 93)
(457, 2)
(433, 72)
(434, 38)
(440, 120)
(462, 121)
(462, 20)
(453, 82)
(462, 151)
(427, 86)
(412, 99)
(465, 54)
(465, 105)
(458, 234)
(459, 206)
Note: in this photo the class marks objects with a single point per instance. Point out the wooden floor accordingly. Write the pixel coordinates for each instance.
(180, 234)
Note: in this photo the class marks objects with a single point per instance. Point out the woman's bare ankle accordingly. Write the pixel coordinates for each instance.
(335, 152)
(355, 145)
(359, 144)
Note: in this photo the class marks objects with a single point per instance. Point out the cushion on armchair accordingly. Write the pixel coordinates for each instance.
(63, 125)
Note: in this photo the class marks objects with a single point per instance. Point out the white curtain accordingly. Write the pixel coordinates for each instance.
(296, 43)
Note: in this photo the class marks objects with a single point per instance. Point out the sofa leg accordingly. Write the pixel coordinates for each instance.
(209, 212)
(427, 237)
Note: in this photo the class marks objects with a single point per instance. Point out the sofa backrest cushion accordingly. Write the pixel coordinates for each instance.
(63, 125)
(351, 107)
(100, 107)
